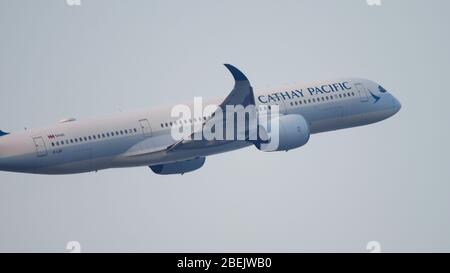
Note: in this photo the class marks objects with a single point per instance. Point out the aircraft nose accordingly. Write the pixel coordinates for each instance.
(396, 104)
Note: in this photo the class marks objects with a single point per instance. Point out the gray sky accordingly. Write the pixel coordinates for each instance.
(387, 182)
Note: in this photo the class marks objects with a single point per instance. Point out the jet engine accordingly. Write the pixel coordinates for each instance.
(180, 167)
(293, 131)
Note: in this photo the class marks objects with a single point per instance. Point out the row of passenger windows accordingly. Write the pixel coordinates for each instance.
(184, 121)
(93, 137)
(264, 107)
(324, 98)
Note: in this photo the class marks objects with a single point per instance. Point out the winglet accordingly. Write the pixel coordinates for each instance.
(237, 74)
(242, 94)
(3, 133)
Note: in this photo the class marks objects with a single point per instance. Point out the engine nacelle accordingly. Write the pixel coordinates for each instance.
(293, 132)
(180, 167)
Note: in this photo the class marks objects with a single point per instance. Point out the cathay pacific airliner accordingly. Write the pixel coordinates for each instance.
(155, 137)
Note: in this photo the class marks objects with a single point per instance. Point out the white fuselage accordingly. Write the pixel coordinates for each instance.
(140, 138)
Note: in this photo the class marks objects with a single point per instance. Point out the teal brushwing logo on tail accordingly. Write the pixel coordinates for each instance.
(2, 133)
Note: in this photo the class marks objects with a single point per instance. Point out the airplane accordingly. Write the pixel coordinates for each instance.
(144, 137)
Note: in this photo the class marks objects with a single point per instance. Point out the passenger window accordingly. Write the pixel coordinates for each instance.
(53, 144)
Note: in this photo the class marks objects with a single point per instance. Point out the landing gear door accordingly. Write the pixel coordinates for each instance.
(145, 127)
(41, 149)
(363, 95)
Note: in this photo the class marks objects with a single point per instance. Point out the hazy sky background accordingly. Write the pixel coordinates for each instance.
(388, 182)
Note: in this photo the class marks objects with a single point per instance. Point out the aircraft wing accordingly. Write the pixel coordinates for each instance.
(242, 94)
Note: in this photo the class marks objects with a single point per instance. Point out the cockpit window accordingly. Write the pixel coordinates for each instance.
(381, 89)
